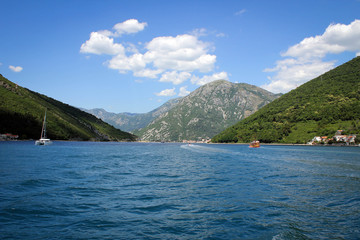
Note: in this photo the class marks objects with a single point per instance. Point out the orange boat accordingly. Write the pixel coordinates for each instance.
(254, 144)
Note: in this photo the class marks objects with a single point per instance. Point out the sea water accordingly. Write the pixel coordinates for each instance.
(86, 190)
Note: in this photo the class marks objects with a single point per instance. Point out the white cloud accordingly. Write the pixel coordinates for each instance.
(166, 93)
(183, 92)
(176, 58)
(304, 61)
(337, 38)
(176, 55)
(149, 73)
(175, 77)
(181, 53)
(101, 44)
(15, 69)
(209, 78)
(291, 74)
(129, 26)
(132, 48)
(123, 63)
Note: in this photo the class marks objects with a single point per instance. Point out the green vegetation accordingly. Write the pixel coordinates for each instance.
(22, 112)
(206, 111)
(317, 108)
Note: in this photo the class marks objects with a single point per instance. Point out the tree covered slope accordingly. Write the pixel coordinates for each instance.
(316, 108)
(206, 111)
(22, 112)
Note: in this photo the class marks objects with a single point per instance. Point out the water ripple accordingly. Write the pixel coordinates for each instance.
(178, 191)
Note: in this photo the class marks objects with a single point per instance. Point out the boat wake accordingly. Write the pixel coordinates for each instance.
(203, 149)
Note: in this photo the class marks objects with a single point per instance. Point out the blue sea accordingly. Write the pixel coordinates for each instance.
(88, 190)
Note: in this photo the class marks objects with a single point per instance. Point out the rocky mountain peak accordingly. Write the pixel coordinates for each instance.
(205, 111)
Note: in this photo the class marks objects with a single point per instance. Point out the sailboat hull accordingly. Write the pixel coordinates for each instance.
(43, 141)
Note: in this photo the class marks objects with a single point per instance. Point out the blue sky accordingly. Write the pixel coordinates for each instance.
(132, 56)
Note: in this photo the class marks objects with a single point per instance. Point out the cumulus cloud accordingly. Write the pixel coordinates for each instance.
(123, 63)
(166, 93)
(182, 53)
(176, 56)
(15, 69)
(183, 91)
(148, 73)
(337, 38)
(129, 26)
(209, 78)
(291, 74)
(175, 77)
(101, 44)
(304, 61)
(170, 58)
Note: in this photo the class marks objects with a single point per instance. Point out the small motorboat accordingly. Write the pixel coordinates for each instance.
(254, 144)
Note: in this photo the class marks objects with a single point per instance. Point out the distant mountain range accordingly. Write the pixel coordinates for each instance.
(22, 112)
(132, 121)
(206, 111)
(200, 115)
(319, 107)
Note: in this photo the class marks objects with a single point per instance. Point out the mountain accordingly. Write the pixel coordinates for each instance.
(319, 107)
(131, 121)
(206, 111)
(22, 112)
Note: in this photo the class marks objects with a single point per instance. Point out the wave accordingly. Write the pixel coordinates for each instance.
(204, 149)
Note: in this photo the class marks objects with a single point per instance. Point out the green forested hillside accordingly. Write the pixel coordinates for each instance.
(22, 112)
(318, 107)
(206, 111)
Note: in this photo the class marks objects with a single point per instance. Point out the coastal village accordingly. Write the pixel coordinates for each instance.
(339, 138)
(8, 137)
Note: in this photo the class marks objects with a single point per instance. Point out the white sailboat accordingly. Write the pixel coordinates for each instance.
(43, 140)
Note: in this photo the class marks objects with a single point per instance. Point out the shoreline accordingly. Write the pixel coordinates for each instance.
(247, 144)
(293, 144)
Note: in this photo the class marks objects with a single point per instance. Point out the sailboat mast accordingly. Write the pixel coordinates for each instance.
(45, 125)
(43, 130)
